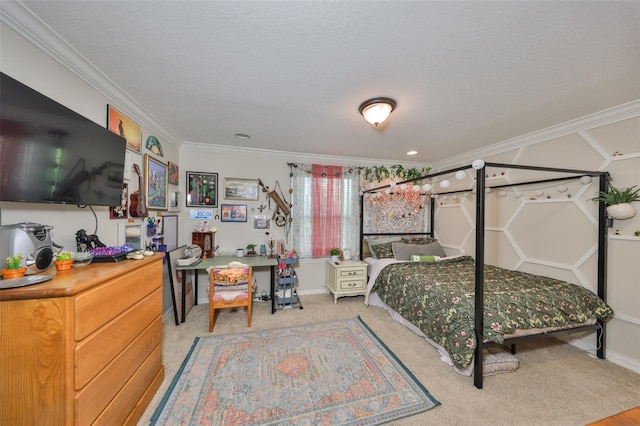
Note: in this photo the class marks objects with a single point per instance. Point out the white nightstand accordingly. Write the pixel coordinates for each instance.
(349, 278)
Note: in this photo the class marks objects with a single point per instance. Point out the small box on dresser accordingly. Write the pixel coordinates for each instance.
(348, 278)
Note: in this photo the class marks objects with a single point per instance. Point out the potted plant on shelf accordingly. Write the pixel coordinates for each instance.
(334, 254)
(13, 269)
(618, 201)
(64, 260)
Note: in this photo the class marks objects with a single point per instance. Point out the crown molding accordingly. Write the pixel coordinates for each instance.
(22, 20)
(293, 156)
(601, 118)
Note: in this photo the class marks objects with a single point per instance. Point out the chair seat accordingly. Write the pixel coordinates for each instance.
(228, 296)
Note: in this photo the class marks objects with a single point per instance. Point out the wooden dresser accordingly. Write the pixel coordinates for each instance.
(84, 348)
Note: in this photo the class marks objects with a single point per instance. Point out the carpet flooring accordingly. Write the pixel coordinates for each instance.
(556, 384)
(327, 373)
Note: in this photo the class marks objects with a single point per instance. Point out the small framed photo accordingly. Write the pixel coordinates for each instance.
(174, 201)
(155, 183)
(119, 124)
(233, 213)
(241, 189)
(261, 222)
(174, 175)
(202, 189)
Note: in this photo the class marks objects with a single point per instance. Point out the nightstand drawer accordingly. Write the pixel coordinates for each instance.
(351, 272)
(356, 284)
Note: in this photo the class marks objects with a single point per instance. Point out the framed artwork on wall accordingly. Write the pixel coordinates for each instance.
(155, 183)
(241, 189)
(119, 124)
(202, 189)
(233, 213)
(174, 201)
(174, 176)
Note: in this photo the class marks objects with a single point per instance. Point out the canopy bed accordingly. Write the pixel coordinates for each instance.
(463, 305)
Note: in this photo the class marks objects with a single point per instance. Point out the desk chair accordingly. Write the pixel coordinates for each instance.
(229, 287)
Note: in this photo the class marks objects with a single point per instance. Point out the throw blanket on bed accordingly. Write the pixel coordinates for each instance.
(439, 299)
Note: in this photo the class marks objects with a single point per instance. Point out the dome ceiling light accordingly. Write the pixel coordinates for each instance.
(377, 110)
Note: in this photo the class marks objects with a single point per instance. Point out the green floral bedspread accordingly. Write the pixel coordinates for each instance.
(438, 298)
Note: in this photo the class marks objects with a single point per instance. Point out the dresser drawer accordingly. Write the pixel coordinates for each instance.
(95, 352)
(98, 306)
(355, 284)
(351, 272)
(93, 399)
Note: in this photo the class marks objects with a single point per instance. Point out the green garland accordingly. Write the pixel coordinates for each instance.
(397, 171)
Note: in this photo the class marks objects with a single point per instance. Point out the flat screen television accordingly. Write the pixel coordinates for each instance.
(50, 154)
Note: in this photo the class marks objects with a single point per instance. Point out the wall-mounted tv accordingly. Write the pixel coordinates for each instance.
(50, 154)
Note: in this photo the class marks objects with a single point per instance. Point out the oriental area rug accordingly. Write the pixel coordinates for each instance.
(331, 373)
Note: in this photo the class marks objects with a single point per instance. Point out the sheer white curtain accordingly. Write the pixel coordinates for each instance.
(325, 209)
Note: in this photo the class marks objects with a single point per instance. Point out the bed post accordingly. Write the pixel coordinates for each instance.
(479, 279)
(361, 224)
(601, 336)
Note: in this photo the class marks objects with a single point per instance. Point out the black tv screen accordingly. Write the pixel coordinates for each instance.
(50, 154)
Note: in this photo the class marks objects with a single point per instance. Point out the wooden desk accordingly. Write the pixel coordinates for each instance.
(253, 261)
(626, 418)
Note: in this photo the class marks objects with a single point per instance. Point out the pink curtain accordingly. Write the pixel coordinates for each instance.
(327, 208)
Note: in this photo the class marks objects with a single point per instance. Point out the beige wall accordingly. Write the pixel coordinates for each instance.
(512, 221)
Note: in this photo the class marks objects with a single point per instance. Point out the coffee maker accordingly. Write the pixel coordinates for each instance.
(30, 240)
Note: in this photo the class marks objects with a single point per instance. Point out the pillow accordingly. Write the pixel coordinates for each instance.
(382, 251)
(385, 251)
(403, 251)
(496, 360)
(419, 240)
(418, 258)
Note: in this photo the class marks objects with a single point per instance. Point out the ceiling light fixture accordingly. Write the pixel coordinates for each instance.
(412, 152)
(242, 136)
(377, 110)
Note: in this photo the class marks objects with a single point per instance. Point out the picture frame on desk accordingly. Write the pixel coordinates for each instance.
(202, 189)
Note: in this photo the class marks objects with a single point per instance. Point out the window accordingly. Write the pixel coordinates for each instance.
(326, 210)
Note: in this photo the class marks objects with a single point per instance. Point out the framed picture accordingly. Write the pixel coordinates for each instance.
(174, 201)
(233, 213)
(121, 211)
(155, 183)
(174, 176)
(119, 124)
(241, 189)
(202, 189)
(261, 222)
(181, 283)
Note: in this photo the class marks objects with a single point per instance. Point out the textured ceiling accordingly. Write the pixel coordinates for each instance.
(291, 74)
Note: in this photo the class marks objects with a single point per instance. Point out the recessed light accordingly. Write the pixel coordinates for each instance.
(412, 152)
(242, 136)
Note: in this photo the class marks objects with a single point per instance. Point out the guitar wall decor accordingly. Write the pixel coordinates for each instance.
(138, 206)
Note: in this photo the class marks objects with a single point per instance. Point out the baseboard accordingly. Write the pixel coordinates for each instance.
(613, 356)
